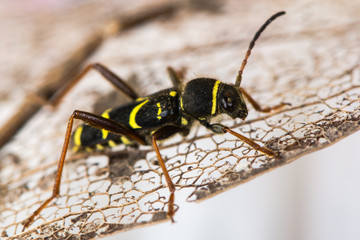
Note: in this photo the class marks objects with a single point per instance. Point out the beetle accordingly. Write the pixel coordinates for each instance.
(159, 116)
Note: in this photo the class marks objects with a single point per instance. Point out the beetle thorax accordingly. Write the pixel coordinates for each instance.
(206, 97)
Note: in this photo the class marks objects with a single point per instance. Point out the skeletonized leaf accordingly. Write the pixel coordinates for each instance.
(103, 193)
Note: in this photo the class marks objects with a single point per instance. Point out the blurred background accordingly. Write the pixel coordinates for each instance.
(314, 197)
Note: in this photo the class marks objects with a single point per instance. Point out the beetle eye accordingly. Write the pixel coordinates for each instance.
(228, 103)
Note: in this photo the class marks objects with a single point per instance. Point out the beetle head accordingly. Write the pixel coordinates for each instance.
(231, 102)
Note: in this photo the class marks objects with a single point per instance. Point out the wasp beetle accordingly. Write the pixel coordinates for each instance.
(148, 119)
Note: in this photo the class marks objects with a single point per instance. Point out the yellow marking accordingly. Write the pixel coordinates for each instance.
(184, 121)
(159, 110)
(125, 140)
(99, 147)
(173, 93)
(215, 91)
(89, 149)
(141, 99)
(75, 149)
(181, 104)
(202, 118)
(112, 143)
(106, 113)
(133, 113)
(103, 131)
(77, 136)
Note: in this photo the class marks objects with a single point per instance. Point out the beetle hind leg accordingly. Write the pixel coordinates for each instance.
(94, 121)
(169, 182)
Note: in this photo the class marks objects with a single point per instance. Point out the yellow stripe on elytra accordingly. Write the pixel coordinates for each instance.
(77, 136)
(159, 110)
(141, 99)
(133, 113)
(215, 91)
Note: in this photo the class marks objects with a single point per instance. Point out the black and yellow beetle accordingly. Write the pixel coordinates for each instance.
(159, 116)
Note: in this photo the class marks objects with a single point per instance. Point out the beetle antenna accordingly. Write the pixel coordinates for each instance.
(252, 43)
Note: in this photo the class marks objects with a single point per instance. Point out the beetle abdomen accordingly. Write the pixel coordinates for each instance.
(89, 139)
(143, 116)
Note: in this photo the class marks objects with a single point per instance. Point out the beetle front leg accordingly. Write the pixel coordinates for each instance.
(250, 142)
(176, 77)
(215, 128)
(220, 129)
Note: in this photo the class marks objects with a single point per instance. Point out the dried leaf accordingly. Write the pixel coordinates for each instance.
(103, 193)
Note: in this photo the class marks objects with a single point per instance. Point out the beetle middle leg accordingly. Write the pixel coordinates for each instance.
(176, 77)
(94, 121)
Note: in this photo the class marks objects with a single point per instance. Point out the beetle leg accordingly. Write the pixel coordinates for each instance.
(169, 182)
(119, 83)
(95, 121)
(250, 142)
(220, 129)
(161, 133)
(176, 77)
